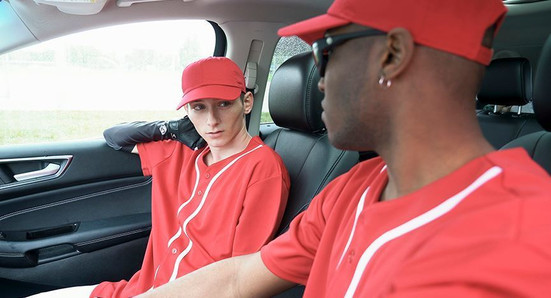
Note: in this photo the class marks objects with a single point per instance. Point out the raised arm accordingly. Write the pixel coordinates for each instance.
(243, 276)
(126, 136)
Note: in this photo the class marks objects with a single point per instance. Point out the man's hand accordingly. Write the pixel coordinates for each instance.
(183, 131)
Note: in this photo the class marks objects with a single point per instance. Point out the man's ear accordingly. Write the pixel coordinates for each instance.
(399, 49)
(248, 101)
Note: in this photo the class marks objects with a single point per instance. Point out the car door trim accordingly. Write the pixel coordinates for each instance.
(65, 161)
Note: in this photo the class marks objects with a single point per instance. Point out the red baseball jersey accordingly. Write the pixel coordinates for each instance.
(202, 214)
(484, 230)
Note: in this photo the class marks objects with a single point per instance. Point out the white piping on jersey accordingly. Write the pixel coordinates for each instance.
(415, 223)
(197, 175)
(155, 276)
(205, 195)
(358, 211)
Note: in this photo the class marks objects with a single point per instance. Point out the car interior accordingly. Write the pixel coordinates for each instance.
(78, 213)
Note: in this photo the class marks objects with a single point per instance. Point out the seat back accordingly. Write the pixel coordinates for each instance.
(507, 83)
(301, 140)
(538, 144)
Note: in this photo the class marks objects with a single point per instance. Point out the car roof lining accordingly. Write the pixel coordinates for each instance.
(45, 22)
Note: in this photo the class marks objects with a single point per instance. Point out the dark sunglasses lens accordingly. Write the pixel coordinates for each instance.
(321, 66)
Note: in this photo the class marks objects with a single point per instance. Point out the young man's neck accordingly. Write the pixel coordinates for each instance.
(238, 144)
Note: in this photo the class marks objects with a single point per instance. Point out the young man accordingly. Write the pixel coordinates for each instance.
(439, 213)
(211, 203)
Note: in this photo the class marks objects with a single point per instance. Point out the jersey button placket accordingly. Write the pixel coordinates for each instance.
(351, 255)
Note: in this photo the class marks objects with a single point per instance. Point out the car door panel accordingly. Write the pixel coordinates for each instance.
(88, 212)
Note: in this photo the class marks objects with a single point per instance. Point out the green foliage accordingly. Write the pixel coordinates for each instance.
(266, 118)
(25, 127)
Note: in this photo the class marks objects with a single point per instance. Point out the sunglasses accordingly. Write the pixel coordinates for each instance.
(322, 48)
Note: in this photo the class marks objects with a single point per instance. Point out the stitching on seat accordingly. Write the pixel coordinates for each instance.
(520, 128)
(330, 172)
(308, 99)
(542, 134)
(320, 186)
(309, 152)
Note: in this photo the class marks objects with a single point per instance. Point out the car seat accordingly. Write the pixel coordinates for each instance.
(507, 82)
(538, 144)
(301, 140)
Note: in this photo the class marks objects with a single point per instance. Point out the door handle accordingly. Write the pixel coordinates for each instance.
(22, 171)
(50, 169)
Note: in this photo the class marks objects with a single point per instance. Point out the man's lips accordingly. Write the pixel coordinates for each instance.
(214, 133)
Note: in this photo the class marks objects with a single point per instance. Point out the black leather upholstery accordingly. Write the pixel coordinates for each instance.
(302, 143)
(295, 100)
(542, 87)
(538, 144)
(507, 82)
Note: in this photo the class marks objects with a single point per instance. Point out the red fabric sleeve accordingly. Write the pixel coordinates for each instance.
(291, 255)
(263, 209)
(153, 153)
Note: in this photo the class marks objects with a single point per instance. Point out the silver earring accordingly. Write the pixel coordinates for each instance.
(384, 83)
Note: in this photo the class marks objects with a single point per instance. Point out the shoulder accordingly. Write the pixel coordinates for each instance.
(523, 181)
(260, 153)
(512, 207)
(347, 189)
(362, 173)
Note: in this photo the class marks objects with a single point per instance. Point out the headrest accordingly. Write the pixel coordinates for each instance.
(508, 81)
(542, 87)
(294, 98)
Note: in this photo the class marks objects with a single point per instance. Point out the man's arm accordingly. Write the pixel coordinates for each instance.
(243, 276)
(126, 136)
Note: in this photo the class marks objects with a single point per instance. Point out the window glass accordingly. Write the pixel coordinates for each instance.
(286, 48)
(76, 86)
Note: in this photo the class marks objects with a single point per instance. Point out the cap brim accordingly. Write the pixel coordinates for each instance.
(312, 29)
(214, 92)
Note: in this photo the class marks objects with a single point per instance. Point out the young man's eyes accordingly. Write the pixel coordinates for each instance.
(197, 107)
(220, 104)
(225, 103)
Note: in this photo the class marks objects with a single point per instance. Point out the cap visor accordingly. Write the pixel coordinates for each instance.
(312, 29)
(214, 92)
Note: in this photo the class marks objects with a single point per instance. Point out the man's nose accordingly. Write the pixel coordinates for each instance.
(213, 117)
(321, 84)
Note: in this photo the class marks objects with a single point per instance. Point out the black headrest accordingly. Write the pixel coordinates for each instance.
(542, 87)
(508, 81)
(295, 100)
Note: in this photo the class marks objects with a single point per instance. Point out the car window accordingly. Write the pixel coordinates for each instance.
(75, 86)
(286, 48)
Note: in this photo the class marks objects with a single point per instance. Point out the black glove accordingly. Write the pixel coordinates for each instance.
(126, 135)
(183, 131)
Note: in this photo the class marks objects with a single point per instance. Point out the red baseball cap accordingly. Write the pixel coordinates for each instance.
(453, 26)
(212, 77)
